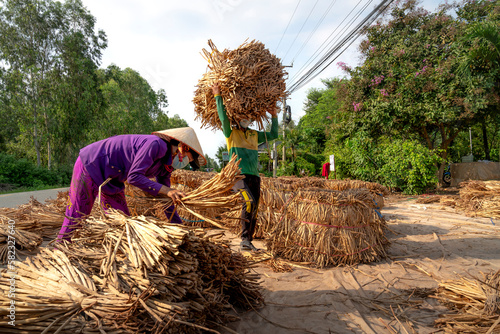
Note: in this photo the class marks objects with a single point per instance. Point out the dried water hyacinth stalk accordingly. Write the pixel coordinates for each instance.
(126, 274)
(476, 303)
(209, 196)
(24, 241)
(252, 81)
(293, 183)
(333, 228)
(214, 193)
(480, 198)
(52, 294)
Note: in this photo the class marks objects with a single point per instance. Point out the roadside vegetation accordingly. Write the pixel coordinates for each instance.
(427, 83)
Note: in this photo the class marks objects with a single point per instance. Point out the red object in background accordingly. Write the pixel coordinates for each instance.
(326, 170)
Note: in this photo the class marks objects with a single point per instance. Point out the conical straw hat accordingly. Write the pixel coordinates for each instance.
(186, 136)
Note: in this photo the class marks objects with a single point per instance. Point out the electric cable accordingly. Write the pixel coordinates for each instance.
(284, 32)
(303, 24)
(314, 30)
(349, 39)
(331, 40)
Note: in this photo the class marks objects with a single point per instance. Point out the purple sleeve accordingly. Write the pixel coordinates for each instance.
(143, 160)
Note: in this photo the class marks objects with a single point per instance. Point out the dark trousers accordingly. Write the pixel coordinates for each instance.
(249, 188)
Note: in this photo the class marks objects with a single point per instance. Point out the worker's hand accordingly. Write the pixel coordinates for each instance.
(274, 112)
(175, 195)
(216, 89)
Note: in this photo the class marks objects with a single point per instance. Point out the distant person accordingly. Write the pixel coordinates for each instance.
(243, 142)
(132, 158)
(326, 170)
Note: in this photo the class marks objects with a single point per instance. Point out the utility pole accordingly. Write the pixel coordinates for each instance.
(284, 128)
(275, 159)
(285, 123)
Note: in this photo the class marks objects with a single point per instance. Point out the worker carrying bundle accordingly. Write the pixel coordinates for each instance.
(251, 79)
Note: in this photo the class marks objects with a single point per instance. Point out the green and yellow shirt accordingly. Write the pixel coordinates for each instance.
(244, 143)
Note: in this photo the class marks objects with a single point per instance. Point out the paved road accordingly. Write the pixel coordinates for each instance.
(15, 199)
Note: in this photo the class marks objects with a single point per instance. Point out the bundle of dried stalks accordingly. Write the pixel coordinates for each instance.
(52, 295)
(23, 241)
(480, 198)
(449, 201)
(378, 191)
(126, 274)
(190, 179)
(30, 222)
(252, 81)
(330, 228)
(428, 199)
(476, 303)
(293, 183)
(205, 203)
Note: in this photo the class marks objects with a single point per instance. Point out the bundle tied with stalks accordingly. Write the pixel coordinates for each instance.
(326, 227)
(251, 80)
(480, 198)
(378, 191)
(475, 302)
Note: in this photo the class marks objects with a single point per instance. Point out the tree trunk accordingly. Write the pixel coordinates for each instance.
(49, 153)
(485, 140)
(35, 137)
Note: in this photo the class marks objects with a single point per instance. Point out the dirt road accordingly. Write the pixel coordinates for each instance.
(430, 243)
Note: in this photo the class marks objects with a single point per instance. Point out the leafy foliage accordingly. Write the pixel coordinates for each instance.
(24, 173)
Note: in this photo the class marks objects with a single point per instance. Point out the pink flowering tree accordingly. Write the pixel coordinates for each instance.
(408, 85)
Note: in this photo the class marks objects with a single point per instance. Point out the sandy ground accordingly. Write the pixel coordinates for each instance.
(430, 243)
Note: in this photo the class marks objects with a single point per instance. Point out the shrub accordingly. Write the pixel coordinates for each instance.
(408, 166)
(24, 173)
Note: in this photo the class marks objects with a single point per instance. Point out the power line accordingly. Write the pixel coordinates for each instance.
(349, 39)
(303, 24)
(284, 32)
(315, 28)
(331, 40)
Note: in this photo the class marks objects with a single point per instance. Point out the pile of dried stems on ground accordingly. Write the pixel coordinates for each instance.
(475, 304)
(327, 227)
(126, 274)
(480, 198)
(251, 79)
(32, 222)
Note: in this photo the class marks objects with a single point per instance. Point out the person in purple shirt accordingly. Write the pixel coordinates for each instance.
(133, 158)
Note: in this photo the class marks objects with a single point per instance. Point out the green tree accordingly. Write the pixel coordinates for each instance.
(130, 104)
(218, 155)
(407, 86)
(40, 42)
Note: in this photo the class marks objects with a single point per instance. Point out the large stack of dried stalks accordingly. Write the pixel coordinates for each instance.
(326, 227)
(129, 275)
(251, 79)
(475, 302)
(480, 198)
(275, 193)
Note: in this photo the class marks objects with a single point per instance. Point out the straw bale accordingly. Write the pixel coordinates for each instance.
(330, 228)
(480, 198)
(252, 81)
(475, 303)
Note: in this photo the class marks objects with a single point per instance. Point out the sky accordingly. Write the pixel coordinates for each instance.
(163, 41)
